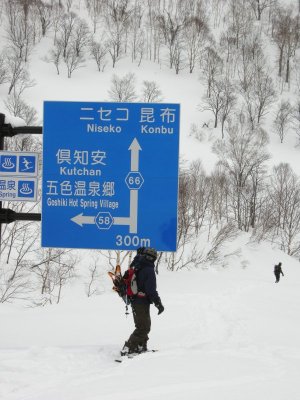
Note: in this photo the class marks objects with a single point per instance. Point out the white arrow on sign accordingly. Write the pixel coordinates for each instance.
(131, 221)
(135, 148)
(133, 211)
(81, 219)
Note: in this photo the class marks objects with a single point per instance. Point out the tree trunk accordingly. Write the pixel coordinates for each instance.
(280, 61)
(287, 76)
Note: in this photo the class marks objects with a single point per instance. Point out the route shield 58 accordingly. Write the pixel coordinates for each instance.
(110, 175)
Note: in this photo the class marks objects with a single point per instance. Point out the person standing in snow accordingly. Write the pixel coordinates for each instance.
(277, 272)
(143, 263)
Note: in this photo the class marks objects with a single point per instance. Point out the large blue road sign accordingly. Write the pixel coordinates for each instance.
(110, 175)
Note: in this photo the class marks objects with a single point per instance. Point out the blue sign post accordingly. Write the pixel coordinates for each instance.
(110, 175)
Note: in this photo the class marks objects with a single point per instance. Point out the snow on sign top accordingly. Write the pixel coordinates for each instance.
(110, 175)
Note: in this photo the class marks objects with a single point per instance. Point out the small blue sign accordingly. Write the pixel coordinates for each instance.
(26, 188)
(27, 164)
(14, 188)
(110, 175)
(18, 163)
(8, 164)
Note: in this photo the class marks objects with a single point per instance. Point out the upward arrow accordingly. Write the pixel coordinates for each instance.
(135, 148)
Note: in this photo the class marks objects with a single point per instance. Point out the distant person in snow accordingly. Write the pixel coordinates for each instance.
(143, 264)
(277, 272)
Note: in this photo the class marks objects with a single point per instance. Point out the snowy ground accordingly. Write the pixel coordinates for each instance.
(225, 334)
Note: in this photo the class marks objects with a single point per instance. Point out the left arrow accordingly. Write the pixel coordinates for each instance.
(81, 219)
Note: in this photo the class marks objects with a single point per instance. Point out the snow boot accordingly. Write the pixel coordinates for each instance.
(142, 348)
(128, 349)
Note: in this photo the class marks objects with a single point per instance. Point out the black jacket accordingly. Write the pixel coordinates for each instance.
(278, 270)
(146, 280)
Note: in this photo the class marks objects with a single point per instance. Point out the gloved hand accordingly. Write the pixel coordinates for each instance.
(159, 306)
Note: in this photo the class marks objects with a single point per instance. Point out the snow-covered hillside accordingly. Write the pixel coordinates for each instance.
(226, 334)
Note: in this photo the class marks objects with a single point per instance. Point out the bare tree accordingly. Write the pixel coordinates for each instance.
(171, 23)
(117, 17)
(185, 221)
(240, 21)
(3, 70)
(80, 37)
(151, 92)
(53, 268)
(72, 60)
(122, 89)
(251, 60)
(17, 74)
(296, 120)
(69, 4)
(94, 278)
(139, 48)
(44, 12)
(229, 100)
(258, 6)
(179, 57)
(19, 28)
(283, 119)
(18, 244)
(66, 29)
(195, 33)
(114, 47)
(19, 108)
(283, 223)
(201, 189)
(259, 97)
(95, 8)
(117, 257)
(219, 199)
(214, 103)
(242, 154)
(286, 37)
(220, 102)
(57, 16)
(228, 49)
(154, 37)
(98, 52)
(55, 56)
(137, 33)
(226, 233)
(211, 66)
(293, 41)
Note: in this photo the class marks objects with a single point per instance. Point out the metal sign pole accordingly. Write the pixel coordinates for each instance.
(2, 119)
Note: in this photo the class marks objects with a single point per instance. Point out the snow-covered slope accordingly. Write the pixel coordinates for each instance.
(226, 334)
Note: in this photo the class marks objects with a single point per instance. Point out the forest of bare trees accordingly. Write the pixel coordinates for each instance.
(227, 45)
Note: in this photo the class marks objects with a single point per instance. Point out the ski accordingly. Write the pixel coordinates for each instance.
(116, 275)
(131, 356)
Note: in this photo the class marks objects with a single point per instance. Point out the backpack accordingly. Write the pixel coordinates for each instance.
(130, 281)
